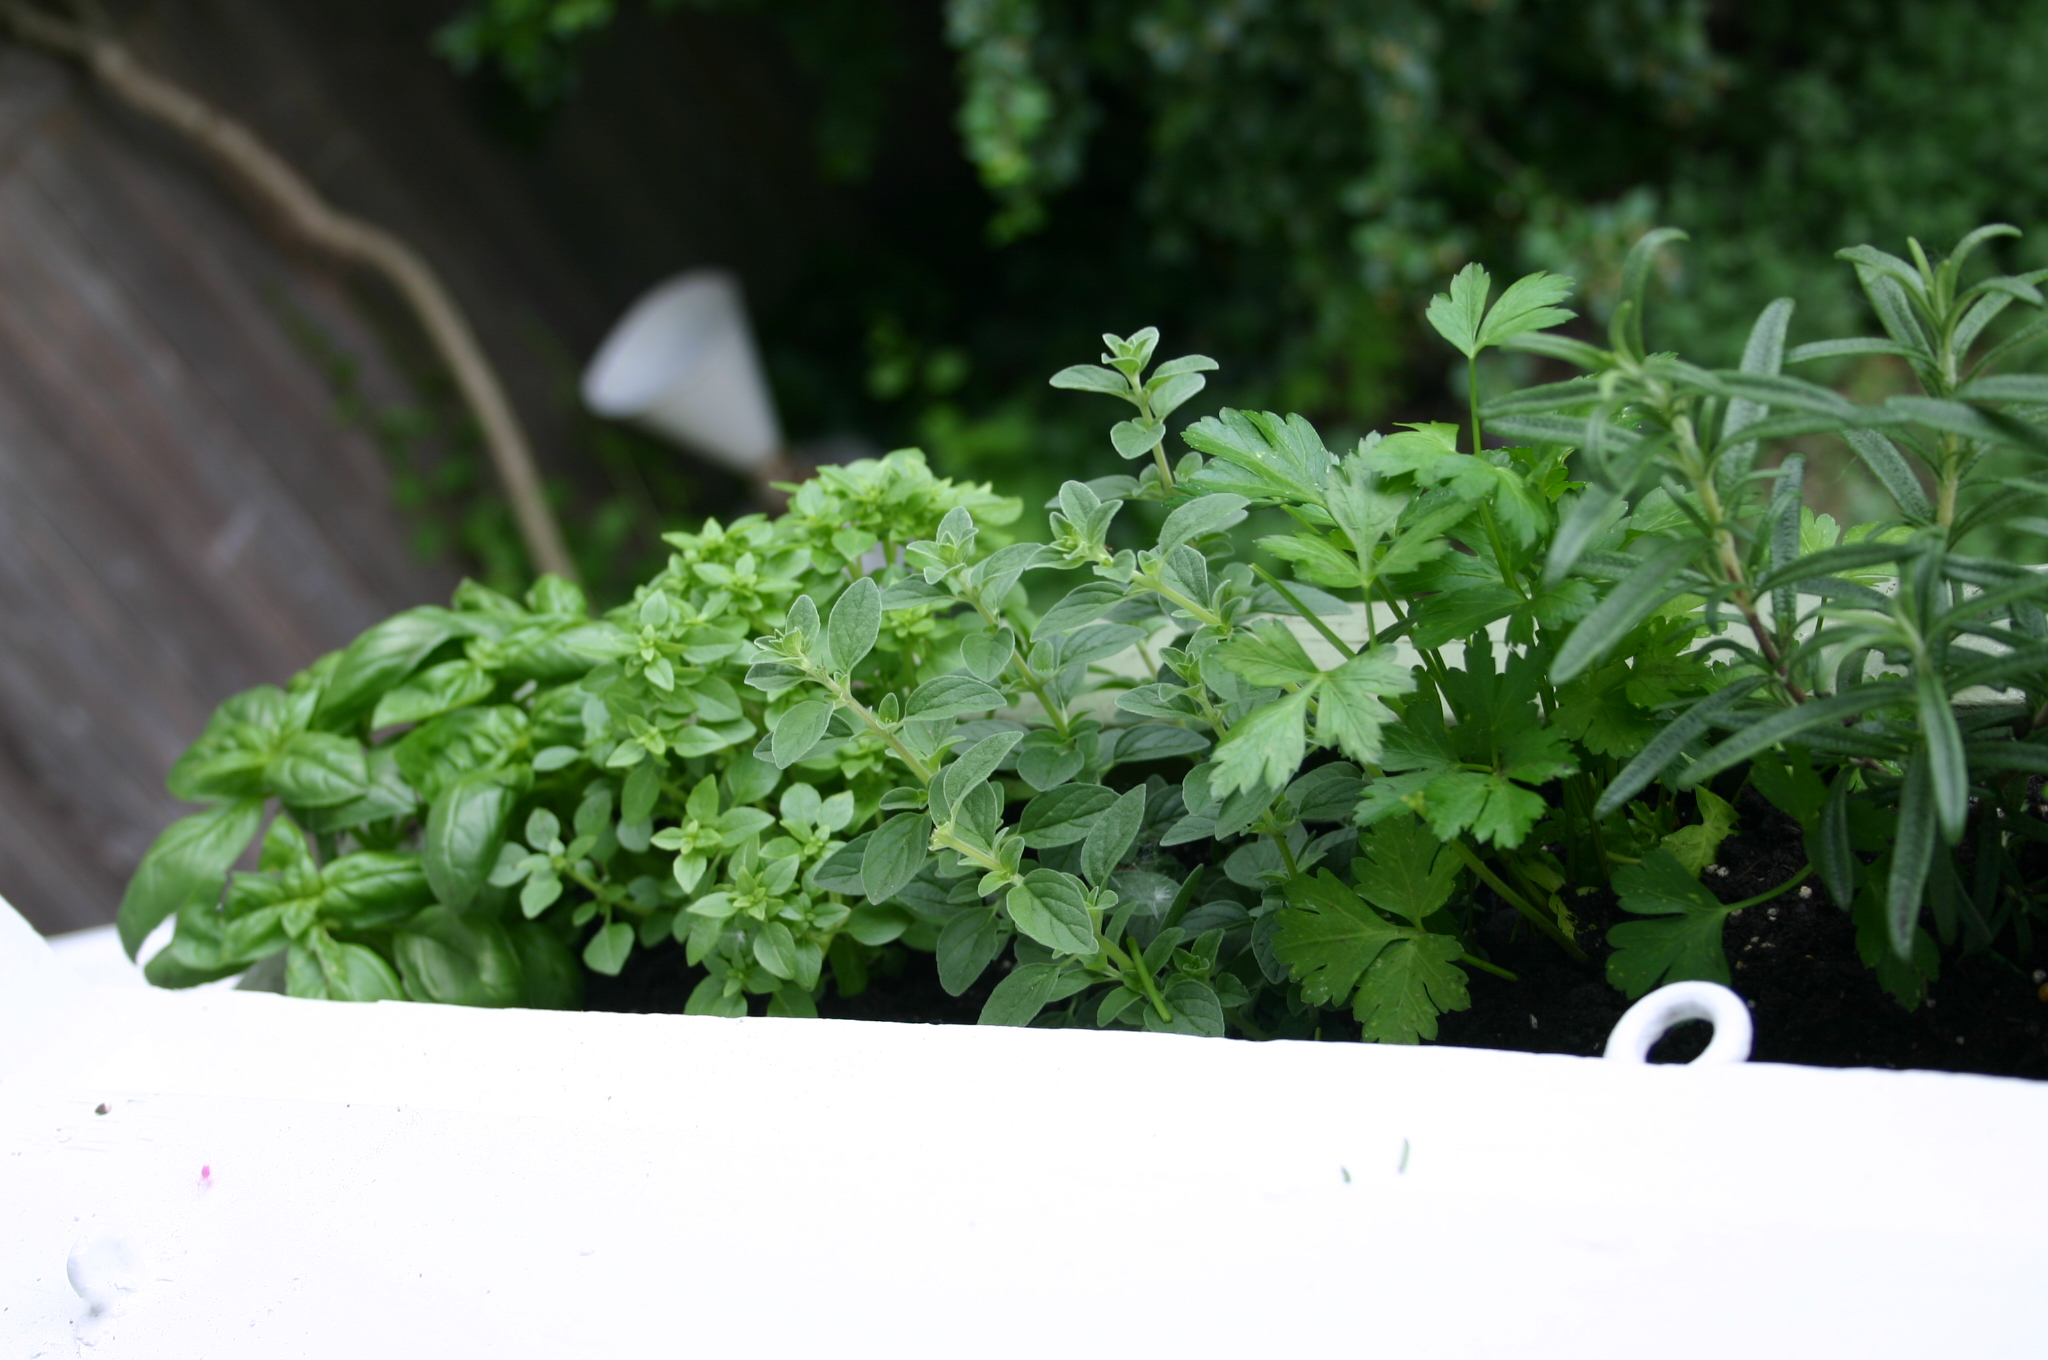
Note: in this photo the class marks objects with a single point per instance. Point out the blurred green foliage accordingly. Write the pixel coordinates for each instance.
(1279, 181)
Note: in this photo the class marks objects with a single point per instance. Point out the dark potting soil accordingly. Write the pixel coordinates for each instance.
(1793, 959)
(657, 981)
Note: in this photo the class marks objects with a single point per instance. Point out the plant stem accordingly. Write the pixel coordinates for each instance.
(1286, 853)
(1787, 886)
(1032, 680)
(1727, 557)
(1145, 979)
(1202, 612)
(1328, 633)
(1144, 403)
(1515, 900)
(1472, 398)
(1165, 473)
(844, 695)
(1484, 966)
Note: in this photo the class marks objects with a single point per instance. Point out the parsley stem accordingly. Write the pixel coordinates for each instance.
(1286, 853)
(1328, 633)
(1484, 966)
(1515, 899)
(1787, 886)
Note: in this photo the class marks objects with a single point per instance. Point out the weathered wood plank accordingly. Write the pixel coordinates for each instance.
(180, 515)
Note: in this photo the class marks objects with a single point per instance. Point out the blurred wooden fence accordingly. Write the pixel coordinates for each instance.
(181, 515)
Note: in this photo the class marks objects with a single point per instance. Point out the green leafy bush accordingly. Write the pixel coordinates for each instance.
(1171, 786)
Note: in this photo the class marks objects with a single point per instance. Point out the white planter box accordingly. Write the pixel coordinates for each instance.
(417, 1180)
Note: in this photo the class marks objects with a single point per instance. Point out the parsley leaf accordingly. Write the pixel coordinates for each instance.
(1399, 978)
(1682, 944)
(1408, 986)
(1265, 748)
(1349, 713)
(1269, 654)
(1695, 846)
(1405, 871)
(1329, 937)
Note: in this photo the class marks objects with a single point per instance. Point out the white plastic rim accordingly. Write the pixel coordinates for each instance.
(682, 365)
(1644, 1023)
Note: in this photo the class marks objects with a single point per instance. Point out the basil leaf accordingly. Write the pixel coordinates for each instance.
(553, 978)
(380, 659)
(465, 827)
(188, 862)
(318, 769)
(372, 889)
(458, 961)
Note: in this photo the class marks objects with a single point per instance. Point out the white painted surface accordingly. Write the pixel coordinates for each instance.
(96, 958)
(408, 1180)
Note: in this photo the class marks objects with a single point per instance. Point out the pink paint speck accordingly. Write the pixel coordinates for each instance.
(205, 1176)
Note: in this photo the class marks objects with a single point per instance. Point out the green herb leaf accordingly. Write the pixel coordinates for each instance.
(187, 863)
(434, 691)
(1268, 654)
(856, 622)
(1063, 815)
(1406, 870)
(1349, 711)
(1695, 846)
(952, 696)
(458, 960)
(318, 769)
(1050, 907)
(1329, 937)
(1627, 604)
(1020, 996)
(381, 658)
(1280, 459)
(987, 654)
(1407, 985)
(1265, 748)
(1835, 858)
(1112, 836)
(895, 853)
(1089, 378)
(1683, 944)
(372, 889)
(1083, 604)
(1912, 853)
(798, 730)
(465, 827)
(976, 764)
(967, 945)
(1529, 304)
(1210, 514)
(1456, 315)
(344, 972)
